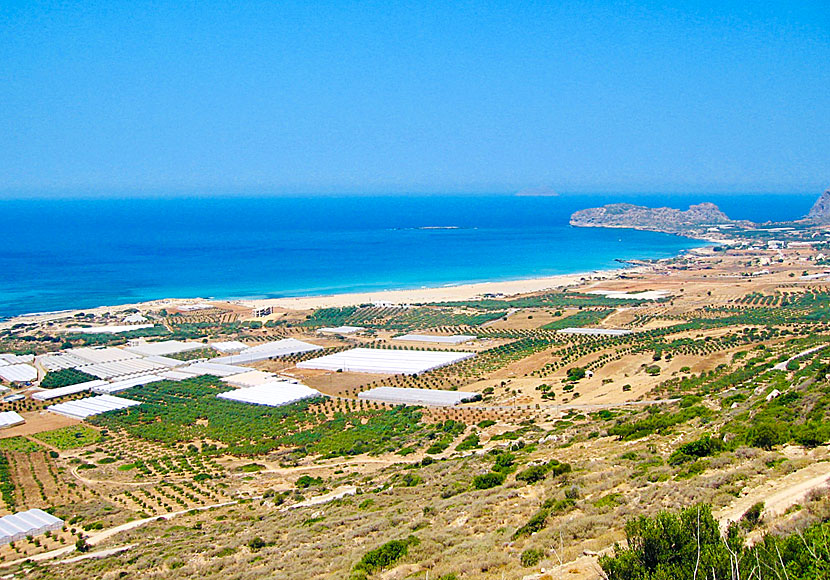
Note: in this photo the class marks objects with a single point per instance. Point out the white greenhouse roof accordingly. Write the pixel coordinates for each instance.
(10, 419)
(29, 523)
(134, 318)
(125, 384)
(174, 375)
(109, 329)
(14, 359)
(164, 347)
(123, 368)
(107, 354)
(340, 329)
(597, 331)
(454, 339)
(61, 360)
(250, 378)
(268, 350)
(273, 394)
(70, 390)
(372, 360)
(213, 368)
(18, 373)
(229, 346)
(83, 408)
(407, 396)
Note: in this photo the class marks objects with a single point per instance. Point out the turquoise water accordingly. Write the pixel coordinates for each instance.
(83, 253)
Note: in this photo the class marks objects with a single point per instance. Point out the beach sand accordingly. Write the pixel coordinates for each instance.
(457, 292)
(441, 294)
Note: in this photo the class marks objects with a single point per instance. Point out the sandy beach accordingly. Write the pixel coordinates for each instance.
(406, 296)
(442, 293)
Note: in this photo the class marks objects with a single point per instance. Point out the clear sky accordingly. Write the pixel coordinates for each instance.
(361, 96)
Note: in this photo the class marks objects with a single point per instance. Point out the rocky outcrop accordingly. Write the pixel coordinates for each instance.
(662, 219)
(820, 212)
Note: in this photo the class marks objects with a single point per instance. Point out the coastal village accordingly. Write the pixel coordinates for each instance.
(537, 413)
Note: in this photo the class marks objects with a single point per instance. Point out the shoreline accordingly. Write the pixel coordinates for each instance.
(450, 293)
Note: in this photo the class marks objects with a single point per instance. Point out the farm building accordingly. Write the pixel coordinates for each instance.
(18, 373)
(372, 360)
(341, 330)
(34, 522)
(162, 348)
(69, 390)
(268, 350)
(597, 331)
(274, 394)
(10, 419)
(407, 396)
(83, 408)
(454, 339)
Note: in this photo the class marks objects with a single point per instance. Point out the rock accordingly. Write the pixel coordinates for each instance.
(820, 212)
(661, 219)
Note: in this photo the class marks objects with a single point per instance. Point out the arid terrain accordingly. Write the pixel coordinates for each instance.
(717, 394)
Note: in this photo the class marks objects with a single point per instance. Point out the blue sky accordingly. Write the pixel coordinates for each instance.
(350, 97)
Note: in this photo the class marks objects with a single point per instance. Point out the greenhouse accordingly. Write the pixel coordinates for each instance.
(18, 373)
(10, 419)
(125, 384)
(273, 394)
(33, 522)
(163, 348)
(373, 360)
(83, 408)
(268, 350)
(428, 397)
(68, 390)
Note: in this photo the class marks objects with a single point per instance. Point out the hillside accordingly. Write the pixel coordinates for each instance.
(719, 396)
(661, 219)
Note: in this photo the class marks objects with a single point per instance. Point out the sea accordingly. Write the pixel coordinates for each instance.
(80, 253)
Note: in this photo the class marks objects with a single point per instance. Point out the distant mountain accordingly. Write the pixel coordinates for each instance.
(820, 212)
(661, 219)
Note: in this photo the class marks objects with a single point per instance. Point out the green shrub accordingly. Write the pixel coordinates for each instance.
(531, 557)
(488, 480)
(384, 556)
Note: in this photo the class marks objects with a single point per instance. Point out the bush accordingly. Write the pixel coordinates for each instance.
(534, 524)
(703, 447)
(752, 517)
(531, 557)
(536, 473)
(767, 434)
(384, 556)
(488, 480)
(306, 481)
(256, 544)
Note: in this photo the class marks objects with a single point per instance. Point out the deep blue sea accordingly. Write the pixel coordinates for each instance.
(80, 253)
